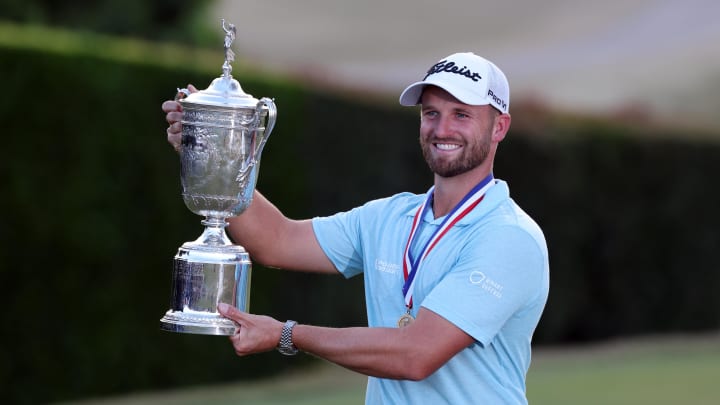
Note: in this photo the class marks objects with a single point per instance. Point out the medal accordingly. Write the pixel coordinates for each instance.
(405, 320)
(410, 264)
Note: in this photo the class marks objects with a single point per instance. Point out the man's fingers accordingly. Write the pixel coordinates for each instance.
(173, 110)
(171, 105)
(175, 128)
(174, 139)
(173, 117)
(229, 311)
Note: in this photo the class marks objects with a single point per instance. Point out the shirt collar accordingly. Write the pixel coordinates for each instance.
(493, 197)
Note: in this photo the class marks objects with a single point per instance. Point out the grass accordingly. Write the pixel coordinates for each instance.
(649, 371)
(665, 370)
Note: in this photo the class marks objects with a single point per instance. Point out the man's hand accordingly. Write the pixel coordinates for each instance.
(173, 111)
(256, 334)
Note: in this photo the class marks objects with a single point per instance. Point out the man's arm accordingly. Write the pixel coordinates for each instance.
(277, 241)
(409, 353)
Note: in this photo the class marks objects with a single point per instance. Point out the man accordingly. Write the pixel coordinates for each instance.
(455, 279)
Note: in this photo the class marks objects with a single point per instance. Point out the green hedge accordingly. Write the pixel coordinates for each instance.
(92, 216)
(632, 228)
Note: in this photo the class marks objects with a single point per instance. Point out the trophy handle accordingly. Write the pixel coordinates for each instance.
(260, 141)
(270, 122)
(181, 94)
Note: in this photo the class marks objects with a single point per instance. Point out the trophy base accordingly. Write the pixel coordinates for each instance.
(201, 324)
(203, 277)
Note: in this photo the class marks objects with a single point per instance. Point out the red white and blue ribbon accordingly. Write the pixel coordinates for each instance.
(410, 265)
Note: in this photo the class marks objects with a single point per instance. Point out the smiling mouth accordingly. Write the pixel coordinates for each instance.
(447, 146)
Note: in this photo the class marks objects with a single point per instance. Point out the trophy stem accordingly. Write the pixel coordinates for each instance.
(214, 233)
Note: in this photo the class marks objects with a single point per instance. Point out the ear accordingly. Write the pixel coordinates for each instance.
(501, 127)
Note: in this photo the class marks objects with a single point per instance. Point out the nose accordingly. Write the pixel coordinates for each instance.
(443, 127)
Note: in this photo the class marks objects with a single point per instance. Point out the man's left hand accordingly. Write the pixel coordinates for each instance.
(256, 333)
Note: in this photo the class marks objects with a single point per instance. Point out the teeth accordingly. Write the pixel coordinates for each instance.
(446, 146)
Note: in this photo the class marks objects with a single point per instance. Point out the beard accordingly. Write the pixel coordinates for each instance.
(472, 156)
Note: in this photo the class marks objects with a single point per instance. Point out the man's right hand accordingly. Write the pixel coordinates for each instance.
(173, 111)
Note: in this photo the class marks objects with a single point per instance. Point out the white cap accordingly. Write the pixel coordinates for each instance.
(469, 78)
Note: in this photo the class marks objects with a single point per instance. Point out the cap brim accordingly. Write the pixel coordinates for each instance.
(411, 95)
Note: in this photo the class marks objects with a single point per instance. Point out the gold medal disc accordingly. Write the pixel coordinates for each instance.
(405, 320)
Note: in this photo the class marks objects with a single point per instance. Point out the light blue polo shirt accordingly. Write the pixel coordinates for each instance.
(488, 275)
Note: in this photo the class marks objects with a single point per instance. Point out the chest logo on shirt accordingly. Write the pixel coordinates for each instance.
(388, 267)
(480, 279)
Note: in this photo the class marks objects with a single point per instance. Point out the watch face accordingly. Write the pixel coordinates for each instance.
(288, 351)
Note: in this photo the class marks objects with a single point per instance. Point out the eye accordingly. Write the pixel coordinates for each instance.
(461, 115)
(430, 114)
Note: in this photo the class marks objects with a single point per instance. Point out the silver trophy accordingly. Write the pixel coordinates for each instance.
(224, 131)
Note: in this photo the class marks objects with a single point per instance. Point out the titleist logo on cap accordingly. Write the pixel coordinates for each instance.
(451, 67)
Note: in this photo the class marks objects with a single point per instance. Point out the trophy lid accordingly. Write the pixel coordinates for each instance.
(224, 91)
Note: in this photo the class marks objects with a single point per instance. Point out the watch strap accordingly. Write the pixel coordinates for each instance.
(286, 346)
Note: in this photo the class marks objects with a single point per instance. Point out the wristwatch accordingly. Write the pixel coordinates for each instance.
(286, 346)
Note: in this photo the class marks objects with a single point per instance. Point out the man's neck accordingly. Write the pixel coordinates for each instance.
(449, 191)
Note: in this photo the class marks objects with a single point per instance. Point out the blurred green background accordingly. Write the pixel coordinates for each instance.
(93, 214)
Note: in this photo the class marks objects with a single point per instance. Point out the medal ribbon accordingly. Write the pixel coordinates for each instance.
(410, 266)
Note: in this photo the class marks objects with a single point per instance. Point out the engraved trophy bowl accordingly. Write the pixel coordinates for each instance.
(224, 131)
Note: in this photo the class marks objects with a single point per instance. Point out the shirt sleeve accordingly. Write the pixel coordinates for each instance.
(339, 237)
